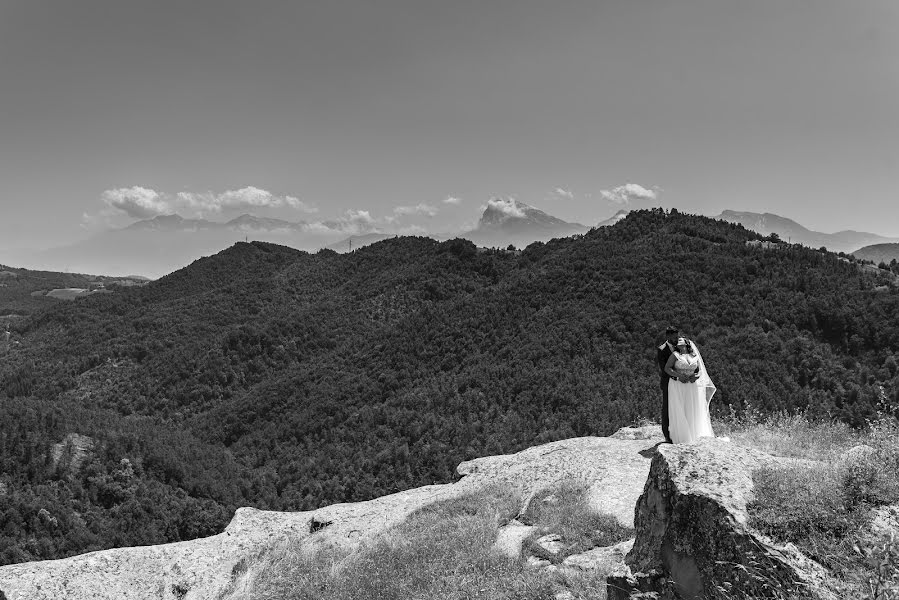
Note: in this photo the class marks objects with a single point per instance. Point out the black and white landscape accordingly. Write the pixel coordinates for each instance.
(353, 300)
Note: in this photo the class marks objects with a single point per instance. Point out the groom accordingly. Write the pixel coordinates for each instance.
(664, 352)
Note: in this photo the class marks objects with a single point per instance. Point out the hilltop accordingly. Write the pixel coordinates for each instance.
(273, 378)
(25, 291)
(878, 253)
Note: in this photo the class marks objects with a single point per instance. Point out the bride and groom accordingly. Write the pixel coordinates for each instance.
(687, 390)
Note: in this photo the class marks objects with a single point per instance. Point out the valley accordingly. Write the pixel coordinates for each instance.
(274, 378)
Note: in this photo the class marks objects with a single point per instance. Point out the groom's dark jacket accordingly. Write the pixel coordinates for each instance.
(664, 353)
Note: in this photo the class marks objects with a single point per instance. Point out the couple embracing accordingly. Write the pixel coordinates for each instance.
(687, 390)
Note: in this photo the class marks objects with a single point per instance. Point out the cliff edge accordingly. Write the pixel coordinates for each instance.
(614, 470)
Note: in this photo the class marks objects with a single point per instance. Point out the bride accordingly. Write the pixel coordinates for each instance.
(690, 390)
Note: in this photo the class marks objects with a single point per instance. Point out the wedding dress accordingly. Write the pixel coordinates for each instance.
(688, 403)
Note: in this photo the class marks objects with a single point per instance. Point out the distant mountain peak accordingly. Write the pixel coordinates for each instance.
(501, 211)
(791, 231)
(510, 221)
(249, 221)
(171, 222)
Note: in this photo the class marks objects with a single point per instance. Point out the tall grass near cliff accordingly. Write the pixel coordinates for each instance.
(839, 503)
(446, 551)
(442, 552)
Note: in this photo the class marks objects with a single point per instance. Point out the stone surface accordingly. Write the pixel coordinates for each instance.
(223, 566)
(537, 563)
(644, 432)
(692, 532)
(606, 558)
(885, 522)
(510, 537)
(613, 469)
(551, 543)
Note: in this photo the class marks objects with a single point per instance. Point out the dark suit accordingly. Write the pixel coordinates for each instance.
(662, 355)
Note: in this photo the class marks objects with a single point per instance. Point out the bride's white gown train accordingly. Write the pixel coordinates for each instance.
(688, 403)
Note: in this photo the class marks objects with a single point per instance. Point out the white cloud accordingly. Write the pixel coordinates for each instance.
(246, 198)
(120, 204)
(299, 205)
(359, 216)
(624, 194)
(136, 202)
(419, 209)
(452, 200)
(564, 193)
(507, 206)
(412, 230)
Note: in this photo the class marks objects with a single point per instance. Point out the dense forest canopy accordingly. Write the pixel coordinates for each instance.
(274, 378)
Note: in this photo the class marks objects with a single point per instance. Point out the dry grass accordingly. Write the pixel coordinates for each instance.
(789, 435)
(825, 507)
(442, 552)
(564, 510)
(445, 552)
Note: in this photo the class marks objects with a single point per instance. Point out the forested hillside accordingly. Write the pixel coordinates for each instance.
(269, 377)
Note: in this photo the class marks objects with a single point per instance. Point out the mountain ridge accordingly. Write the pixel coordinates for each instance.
(509, 221)
(879, 253)
(789, 230)
(271, 377)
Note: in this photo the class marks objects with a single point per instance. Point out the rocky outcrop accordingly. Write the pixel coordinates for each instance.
(73, 451)
(221, 567)
(692, 534)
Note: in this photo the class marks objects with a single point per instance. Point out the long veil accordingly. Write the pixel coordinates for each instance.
(704, 380)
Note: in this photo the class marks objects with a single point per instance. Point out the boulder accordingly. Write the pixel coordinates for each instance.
(551, 543)
(510, 538)
(604, 558)
(693, 537)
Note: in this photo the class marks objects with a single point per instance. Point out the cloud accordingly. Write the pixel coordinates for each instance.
(299, 205)
(420, 209)
(564, 193)
(136, 202)
(624, 194)
(412, 230)
(246, 198)
(359, 216)
(507, 206)
(452, 200)
(120, 204)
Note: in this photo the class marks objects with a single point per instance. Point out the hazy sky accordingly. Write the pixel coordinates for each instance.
(109, 110)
